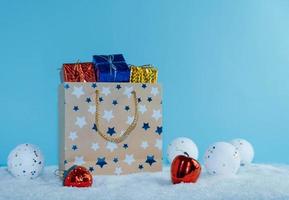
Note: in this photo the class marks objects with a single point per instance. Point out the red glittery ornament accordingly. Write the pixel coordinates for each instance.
(77, 176)
(185, 169)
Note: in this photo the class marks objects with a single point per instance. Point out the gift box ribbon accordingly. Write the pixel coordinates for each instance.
(78, 68)
(112, 67)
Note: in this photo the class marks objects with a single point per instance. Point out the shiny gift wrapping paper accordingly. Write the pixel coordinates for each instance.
(143, 74)
(111, 68)
(79, 72)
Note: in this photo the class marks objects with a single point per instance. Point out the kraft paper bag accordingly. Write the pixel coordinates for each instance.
(111, 128)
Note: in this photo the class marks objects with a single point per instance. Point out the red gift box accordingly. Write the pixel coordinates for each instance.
(79, 72)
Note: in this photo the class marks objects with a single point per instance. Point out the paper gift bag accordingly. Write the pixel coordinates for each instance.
(111, 128)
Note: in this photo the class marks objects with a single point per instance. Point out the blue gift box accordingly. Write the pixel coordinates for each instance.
(111, 68)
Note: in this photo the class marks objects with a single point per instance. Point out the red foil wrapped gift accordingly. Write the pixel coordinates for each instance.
(79, 72)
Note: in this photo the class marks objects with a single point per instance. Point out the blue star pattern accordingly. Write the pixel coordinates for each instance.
(94, 127)
(150, 160)
(93, 85)
(109, 157)
(74, 147)
(88, 100)
(101, 162)
(66, 86)
(146, 126)
(110, 131)
(75, 108)
(118, 86)
(114, 102)
(91, 169)
(115, 160)
(159, 130)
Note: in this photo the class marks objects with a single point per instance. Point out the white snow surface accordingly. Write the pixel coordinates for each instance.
(256, 181)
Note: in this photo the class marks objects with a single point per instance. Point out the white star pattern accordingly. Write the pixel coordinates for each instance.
(118, 171)
(111, 146)
(156, 114)
(107, 115)
(129, 159)
(142, 108)
(80, 121)
(92, 109)
(116, 112)
(73, 135)
(154, 91)
(127, 91)
(129, 120)
(105, 91)
(78, 160)
(78, 91)
(144, 144)
(159, 144)
(94, 146)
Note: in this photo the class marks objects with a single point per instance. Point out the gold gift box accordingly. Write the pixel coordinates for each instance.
(143, 74)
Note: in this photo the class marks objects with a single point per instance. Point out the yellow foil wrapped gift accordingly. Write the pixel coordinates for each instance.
(143, 74)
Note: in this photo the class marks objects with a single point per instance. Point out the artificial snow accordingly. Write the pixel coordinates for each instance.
(252, 182)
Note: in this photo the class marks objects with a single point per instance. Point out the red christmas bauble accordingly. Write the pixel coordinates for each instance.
(78, 176)
(185, 169)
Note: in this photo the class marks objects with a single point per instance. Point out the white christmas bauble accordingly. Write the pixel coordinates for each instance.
(25, 161)
(222, 158)
(180, 146)
(245, 149)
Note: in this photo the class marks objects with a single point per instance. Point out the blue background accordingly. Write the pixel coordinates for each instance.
(223, 65)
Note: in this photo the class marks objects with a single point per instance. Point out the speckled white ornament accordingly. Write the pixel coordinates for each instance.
(180, 145)
(222, 158)
(246, 150)
(25, 161)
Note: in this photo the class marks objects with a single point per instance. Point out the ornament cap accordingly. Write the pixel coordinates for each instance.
(186, 154)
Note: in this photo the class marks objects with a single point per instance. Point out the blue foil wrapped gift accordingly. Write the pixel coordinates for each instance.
(111, 68)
